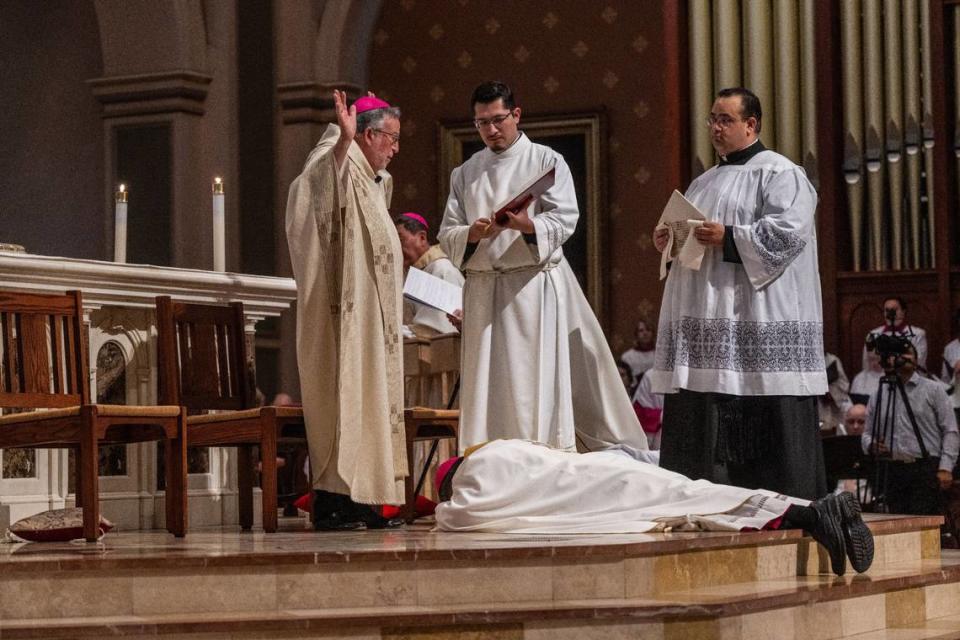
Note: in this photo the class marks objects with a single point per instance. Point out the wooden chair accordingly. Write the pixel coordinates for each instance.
(438, 366)
(423, 425)
(202, 359)
(43, 366)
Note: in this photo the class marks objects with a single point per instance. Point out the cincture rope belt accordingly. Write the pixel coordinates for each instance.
(496, 273)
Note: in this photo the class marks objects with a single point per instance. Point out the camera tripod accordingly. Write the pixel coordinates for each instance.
(884, 428)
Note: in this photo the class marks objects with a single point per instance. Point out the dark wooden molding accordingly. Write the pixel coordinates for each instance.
(178, 91)
(311, 101)
(944, 189)
(831, 208)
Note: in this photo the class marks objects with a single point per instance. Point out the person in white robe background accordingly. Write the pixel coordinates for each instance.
(347, 263)
(418, 253)
(535, 361)
(641, 355)
(516, 486)
(740, 342)
(895, 324)
(649, 409)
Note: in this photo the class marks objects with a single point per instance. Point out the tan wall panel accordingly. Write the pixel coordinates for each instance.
(787, 56)
(758, 64)
(727, 42)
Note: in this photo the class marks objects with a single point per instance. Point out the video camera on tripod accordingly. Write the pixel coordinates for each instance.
(891, 348)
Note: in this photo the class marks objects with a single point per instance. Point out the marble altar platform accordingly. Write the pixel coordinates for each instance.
(414, 583)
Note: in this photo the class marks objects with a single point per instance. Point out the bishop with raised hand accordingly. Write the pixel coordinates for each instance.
(348, 265)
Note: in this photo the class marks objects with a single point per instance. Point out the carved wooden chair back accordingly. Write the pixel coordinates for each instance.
(42, 351)
(202, 356)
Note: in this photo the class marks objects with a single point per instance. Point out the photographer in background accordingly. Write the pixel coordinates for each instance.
(914, 481)
(895, 324)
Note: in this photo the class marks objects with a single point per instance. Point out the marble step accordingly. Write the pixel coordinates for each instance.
(298, 581)
(911, 596)
(945, 628)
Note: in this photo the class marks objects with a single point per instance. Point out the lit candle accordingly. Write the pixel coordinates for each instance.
(120, 225)
(219, 229)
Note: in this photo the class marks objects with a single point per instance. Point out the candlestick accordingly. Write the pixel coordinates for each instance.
(219, 228)
(120, 225)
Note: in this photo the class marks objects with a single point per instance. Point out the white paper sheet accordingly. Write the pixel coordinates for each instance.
(432, 291)
(681, 217)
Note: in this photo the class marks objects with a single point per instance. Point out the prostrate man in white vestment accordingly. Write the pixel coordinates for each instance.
(535, 362)
(417, 252)
(347, 262)
(740, 342)
(515, 486)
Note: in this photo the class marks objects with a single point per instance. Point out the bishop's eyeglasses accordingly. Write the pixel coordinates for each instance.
(394, 137)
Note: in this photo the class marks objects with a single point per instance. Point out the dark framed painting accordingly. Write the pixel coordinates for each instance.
(579, 138)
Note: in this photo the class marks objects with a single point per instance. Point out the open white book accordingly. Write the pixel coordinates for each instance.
(681, 217)
(432, 291)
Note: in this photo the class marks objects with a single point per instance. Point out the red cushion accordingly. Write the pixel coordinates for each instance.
(56, 525)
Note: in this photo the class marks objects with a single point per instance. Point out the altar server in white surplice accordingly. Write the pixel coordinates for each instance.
(535, 362)
(740, 342)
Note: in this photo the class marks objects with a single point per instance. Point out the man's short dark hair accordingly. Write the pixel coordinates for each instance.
(492, 91)
(410, 224)
(749, 102)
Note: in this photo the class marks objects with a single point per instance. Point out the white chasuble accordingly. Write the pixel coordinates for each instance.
(756, 328)
(535, 362)
(513, 486)
(348, 266)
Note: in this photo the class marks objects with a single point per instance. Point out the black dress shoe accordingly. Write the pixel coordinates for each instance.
(857, 538)
(334, 512)
(829, 531)
(374, 520)
(336, 522)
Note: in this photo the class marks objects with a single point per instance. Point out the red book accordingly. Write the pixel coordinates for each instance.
(530, 192)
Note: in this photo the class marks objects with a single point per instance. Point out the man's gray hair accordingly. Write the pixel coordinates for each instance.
(374, 118)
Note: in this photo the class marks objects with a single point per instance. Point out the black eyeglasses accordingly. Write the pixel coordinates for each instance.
(495, 121)
(722, 120)
(394, 137)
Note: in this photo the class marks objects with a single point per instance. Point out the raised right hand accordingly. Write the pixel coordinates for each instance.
(346, 117)
(660, 238)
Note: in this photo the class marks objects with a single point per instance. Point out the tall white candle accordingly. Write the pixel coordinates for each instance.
(120, 225)
(219, 228)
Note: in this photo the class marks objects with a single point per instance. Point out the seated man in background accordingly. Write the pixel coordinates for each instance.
(517, 486)
(832, 405)
(418, 253)
(854, 421)
(865, 383)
